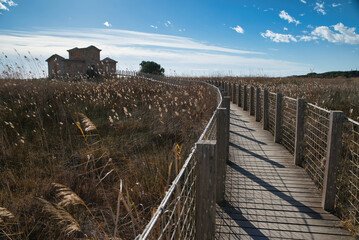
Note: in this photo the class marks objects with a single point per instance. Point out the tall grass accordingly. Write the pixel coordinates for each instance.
(331, 93)
(91, 160)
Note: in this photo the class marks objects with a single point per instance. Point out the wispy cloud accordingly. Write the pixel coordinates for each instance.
(285, 29)
(278, 37)
(153, 26)
(307, 38)
(168, 23)
(284, 15)
(238, 29)
(342, 34)
(130, 48)
(3, 7)
(107, 24)
(5, 4)
(303, 1)
(319, 7)
(336, 4)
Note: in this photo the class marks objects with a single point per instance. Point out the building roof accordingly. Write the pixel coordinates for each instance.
(91, 46)
(108, 60)
(55, 56)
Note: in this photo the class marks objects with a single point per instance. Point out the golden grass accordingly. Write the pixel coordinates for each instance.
(108, 146)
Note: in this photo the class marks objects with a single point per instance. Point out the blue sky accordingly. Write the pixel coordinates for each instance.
(202, 37)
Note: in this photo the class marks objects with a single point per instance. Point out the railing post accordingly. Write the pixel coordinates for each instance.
(230, 90)
(245, 99)
(205, 189)
(226, 105)
(234, 94)
(239, 101)
(221, 150)
(251, 105)
(334, 145)
(299, 132)
(258, 105)
(265, 110)
(278, 118)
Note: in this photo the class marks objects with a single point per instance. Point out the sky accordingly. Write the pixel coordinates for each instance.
(187, 37)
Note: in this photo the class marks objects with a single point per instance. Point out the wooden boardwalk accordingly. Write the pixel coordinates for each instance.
(267, 196)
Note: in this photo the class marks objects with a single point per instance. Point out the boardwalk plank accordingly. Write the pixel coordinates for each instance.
(267, 196)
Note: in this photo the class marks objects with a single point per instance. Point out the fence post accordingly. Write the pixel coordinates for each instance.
(239, 96)
(221, 150)
(205, 189)
(265, 110)
(230, 90)
(278, 118)
(245, 99)
(258, 105)
(299, 132)
(334, 145)
(226, 105)
(251, 99)
(234, 99)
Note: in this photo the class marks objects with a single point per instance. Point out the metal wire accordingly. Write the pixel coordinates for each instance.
(289, 111)
(271, 111)
(347, 198)
(315, 137)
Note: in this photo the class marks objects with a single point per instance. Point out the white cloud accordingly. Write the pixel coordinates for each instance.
(278, 37)
(303, 1)
(129, 48)
(107, 24)
(307, 38)
(9, 3)
(336, 4)
(319, 7)
(285, 29)
(238, 29)
(153, 26)
(3, 7)
(284, 15)
(342, 34)
(168, 23)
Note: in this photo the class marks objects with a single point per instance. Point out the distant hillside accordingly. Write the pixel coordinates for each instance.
(334, 74)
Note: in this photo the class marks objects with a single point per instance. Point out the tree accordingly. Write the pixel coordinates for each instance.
(151, 67)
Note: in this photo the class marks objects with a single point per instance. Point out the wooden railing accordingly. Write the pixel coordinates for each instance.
(187, 210)
(325, 143)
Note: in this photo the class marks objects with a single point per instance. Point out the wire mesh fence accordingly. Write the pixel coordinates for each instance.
(315, 138)
(271, 112)
(175, 216)
(289, 110)
(347, 197)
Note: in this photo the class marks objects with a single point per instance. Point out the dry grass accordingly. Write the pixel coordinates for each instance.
(334, 94)
(109, 146)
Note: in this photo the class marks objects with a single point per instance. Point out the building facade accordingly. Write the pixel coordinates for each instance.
(79, 62)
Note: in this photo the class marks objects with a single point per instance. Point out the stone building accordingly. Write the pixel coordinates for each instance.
(80, 60)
